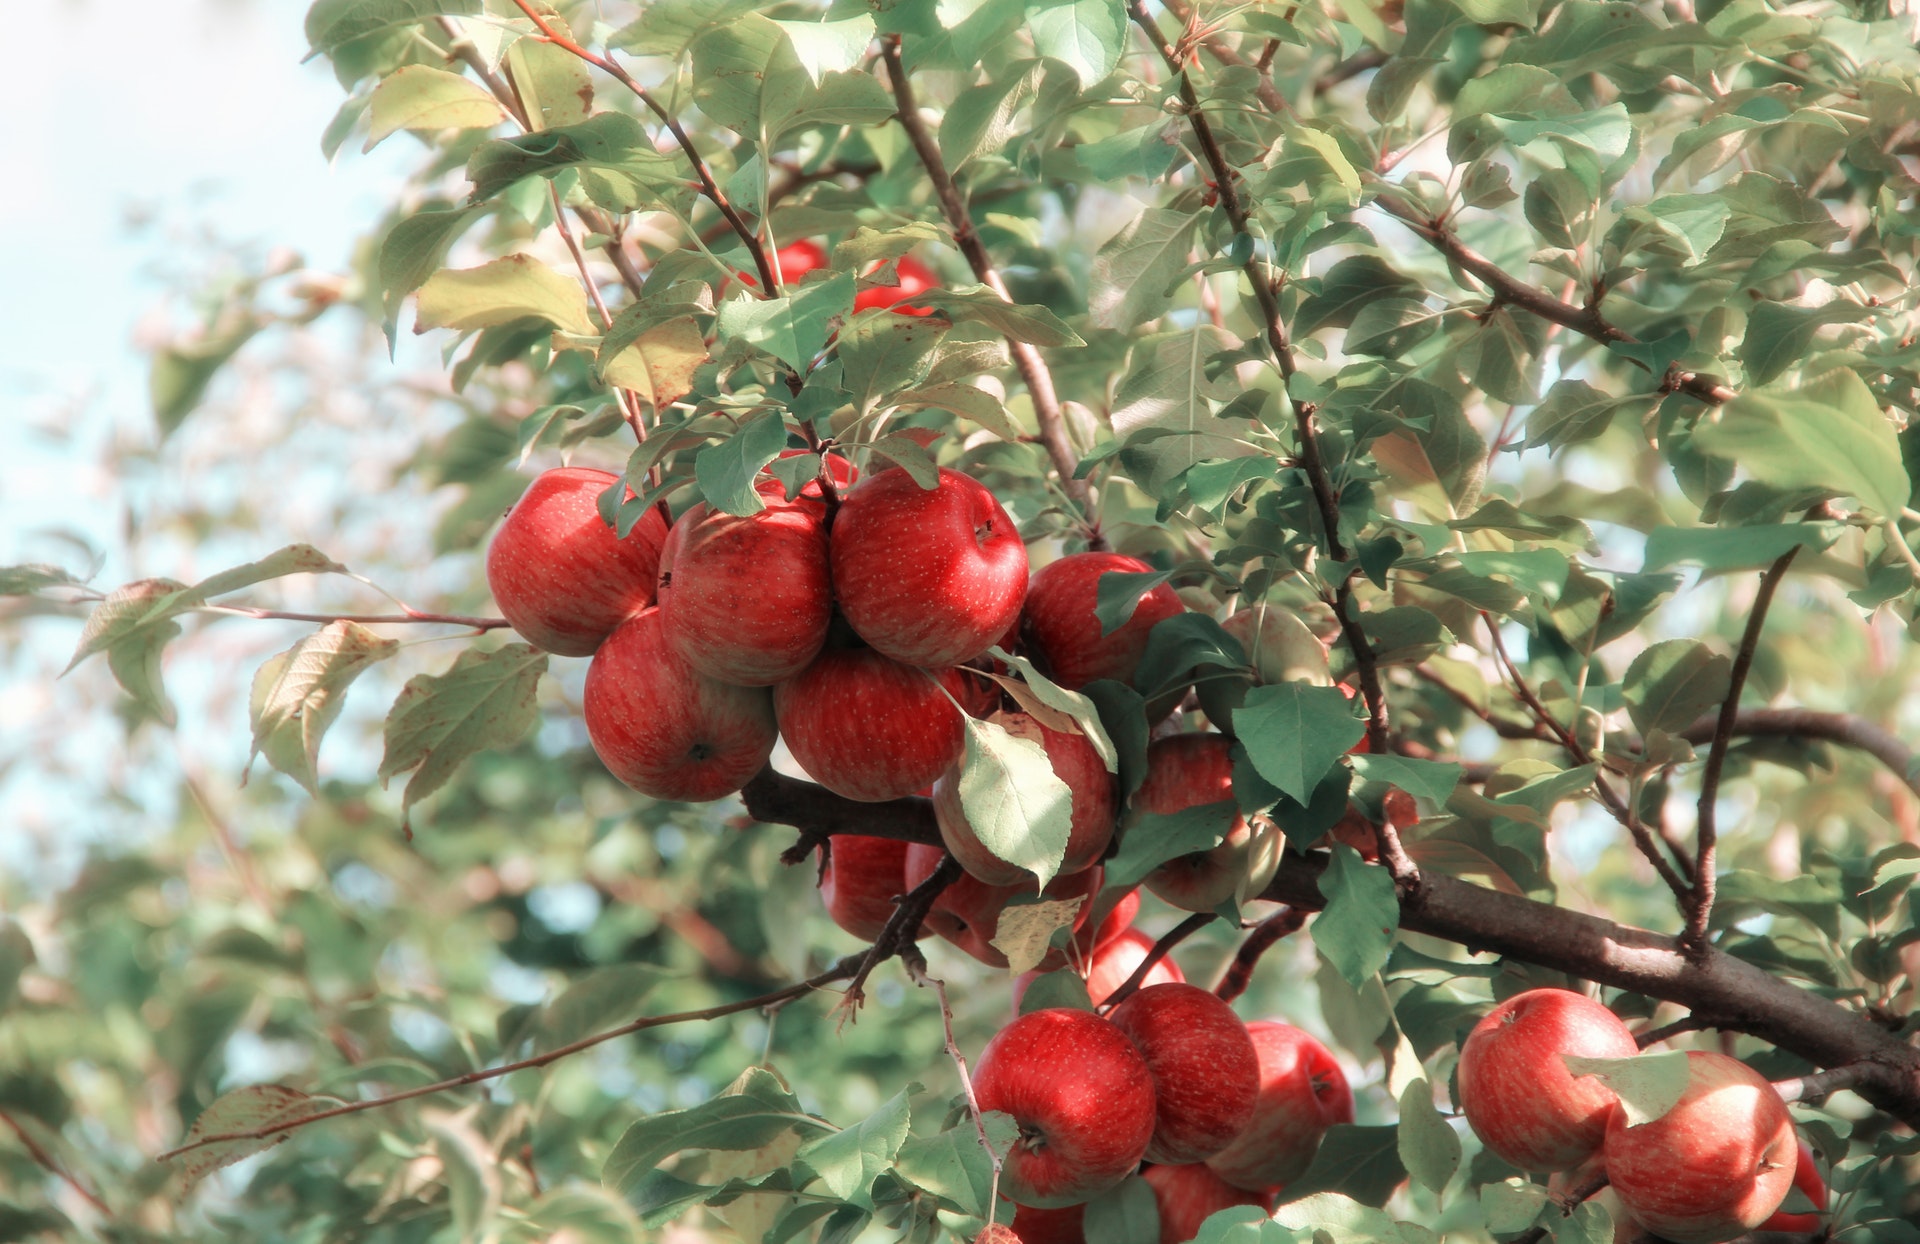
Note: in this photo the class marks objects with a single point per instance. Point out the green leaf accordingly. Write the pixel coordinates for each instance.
(553, 84)
(1135, 272)
(1086, 35)
(953, 1165)
(1118, 593)
(1211, 483)
(1150, 839)
(1572, 413)
(1347, 287)
(16, 956)
(1673, 682)
(658, 363)
(737, 1121)
(1649, 1085)
(599, 1001)
(1828, 433)
(1035, 325)
(298, 693)
(1590, 1223)
(243, 1110)
(1508, 519)
(1780, 335)
(618, 166)
(1512, 1204)
(1078, 706)
(1734, 548)
(883, 353)
(726, 471)
(182, 371)
(499, 292)
(33, 578)
(1294, 733)
(1056, 989)
(1128, 1214)
(980, 120)
(414, 249)
(829, 47)
(1429, 1149)
(1425, 779)
(1355, 933)
(1015, 802)
(848, 1161)
(485, 700)
(1362, 1162)
(331, 23)
(746, 70)
(967, 402)
(416, 97)
(794, 327)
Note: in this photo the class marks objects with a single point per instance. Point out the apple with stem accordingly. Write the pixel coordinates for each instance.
(666, 729)
(1302, 1093)
(1187, 1195)
(1206, 1074)
(747, 598)
(860, 881)
(1516, 1091)
(1806, 1177)
(869, 728)
(913, 277)
(1715, 1166)
(1060, 628)
(1083, 1098)
(967, 912)
(1074, 762)
(1065, 1225)
(557, 571)
(928, 576)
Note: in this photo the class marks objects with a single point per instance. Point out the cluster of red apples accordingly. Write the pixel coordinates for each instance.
(1717, 1165)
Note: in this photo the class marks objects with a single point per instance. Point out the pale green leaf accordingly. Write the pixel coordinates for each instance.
(510, 288)
(417, 97)
(485, 700)
(1649, 1085)
(1015, 802)
(298, 693)
(1828, 433)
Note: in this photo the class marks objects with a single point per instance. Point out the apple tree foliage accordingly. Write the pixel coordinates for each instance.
(1553, 358)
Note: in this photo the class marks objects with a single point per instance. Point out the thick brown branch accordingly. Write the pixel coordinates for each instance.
(1239, 973)
(1174, 936)
(1707, 832)
(1842, 728)
(1818, 1085)
(1033, 369)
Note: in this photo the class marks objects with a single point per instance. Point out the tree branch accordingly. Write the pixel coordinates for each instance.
(1706, 832)
(902, 927)
(1026, 358)
(1842, 728)
(1239, 973)
(39, 1154)
(1179, 933)
(412, 616)
(1817, 1086)
(1679, 1027)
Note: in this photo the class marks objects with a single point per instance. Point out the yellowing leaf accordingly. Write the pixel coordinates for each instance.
(659, 363)
(243, 1110)
(507, 289)
(298, 693)
(1023, 932)
(417, 97)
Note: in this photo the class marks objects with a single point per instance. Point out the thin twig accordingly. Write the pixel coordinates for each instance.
(1666, 1032)
(1568, 1203)
(916, 965)
(1239, 973)
(1026, 358)
(372, 619)
(839, 971)
(38, 1153)
(1706, 833)
(1179, 933)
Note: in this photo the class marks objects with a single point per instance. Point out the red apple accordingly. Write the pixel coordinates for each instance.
(843, 473)
(747, 599)
(998, 1233)
(868, 727)
(967, 913)
(1715, 1166)
(795, 260)
(1186, 771)
(1083, 1098)
(1050, 1226)
(1111, 965)
(666, 729)
(1119, 920)
(1074, 762)
(1205, 1072)
(1806, 1177)
(914, 277)
(862, 878)
(556, 570)
(929, 576)
(1516, 1091)
(1303, 1092)
(1059, 626)
(1365, 744)
(1189, 1195)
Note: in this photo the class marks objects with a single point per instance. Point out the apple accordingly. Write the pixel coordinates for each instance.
(1191, 770)
(1206, 1075)
(747, 598)
(1806, 1177)
(1074, 762)
(861, 879)
(1084, 1100)
(1516, 1091)
(843, 473)
(666, 729)
(1188, 1195)
(1119, 919)
(794, 260)
(1060, 629)
(558, 573)
(1302, 1093)
(1279, 648)
(1715, 1166)
(998, 1233)
(929, 576)
(1050, 1226)
(914, 278)
(868, 727)
(1110, 966)
(967, 912)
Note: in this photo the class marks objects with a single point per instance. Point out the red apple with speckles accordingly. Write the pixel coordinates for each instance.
(914, 278)
(747, 598)
(928, 576)
(1715, 1166)
(1516, 1091)
(1050, 1226)
(1075, 763)
(967, 913)
(1205, 1072)
(1119, 919)
(869, 728)
(1806, 1177)
(1084, 1100)
(1302, 1093)
(1059, 626)
(1188, 1195)
(558, 573)
(1191, 770)
(666, 729)
(862, 878)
